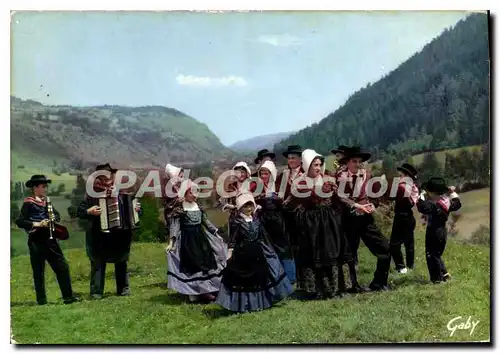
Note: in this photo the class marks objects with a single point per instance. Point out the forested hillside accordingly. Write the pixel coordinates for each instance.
(437, 99)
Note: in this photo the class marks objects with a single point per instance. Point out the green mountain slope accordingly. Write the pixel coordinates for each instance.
(437, 99)
(76, 137)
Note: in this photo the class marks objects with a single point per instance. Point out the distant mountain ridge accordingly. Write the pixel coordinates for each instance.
(259, 142)
(127, 136)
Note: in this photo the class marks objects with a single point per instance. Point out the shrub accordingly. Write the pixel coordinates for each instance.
(481, 236)
(452, 224)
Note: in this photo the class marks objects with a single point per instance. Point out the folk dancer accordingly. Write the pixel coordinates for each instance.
(239, 182)
(284, 183)
(196, 253)
(358, 220)
(271, 217)
(441, 201)
(263, 156)
(321, 246)
(105, 247)
(171, 185)
(253, 279)
(34, 219)
(403, 226)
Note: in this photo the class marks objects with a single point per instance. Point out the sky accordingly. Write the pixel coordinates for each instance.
(243, 74)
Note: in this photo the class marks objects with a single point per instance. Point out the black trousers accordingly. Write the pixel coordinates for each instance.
(435, 244)
(50, 251)
(363, 227)
(98, 274)
(403, 232)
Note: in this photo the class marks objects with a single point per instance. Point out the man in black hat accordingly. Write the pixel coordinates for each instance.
(294, 170)
(339, 155)
(357, 217)
(284, 183)
(34, 219)
(403, 226)
(105, 247)
(262, 156)
(441, 202)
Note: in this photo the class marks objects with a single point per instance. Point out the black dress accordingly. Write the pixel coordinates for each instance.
(321, 246)
(271, 217)
(253, 278)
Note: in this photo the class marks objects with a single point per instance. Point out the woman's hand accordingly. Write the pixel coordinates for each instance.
(364, 208)
(170, 246)
(138, 207)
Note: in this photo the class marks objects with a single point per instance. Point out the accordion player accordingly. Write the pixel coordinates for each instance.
(119, 212)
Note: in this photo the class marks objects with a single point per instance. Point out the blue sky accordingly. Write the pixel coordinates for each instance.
(243, 74)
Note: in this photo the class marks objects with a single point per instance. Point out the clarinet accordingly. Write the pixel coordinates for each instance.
(52, 218)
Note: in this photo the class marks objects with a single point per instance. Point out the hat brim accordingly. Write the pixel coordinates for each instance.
(365, 156)
(292, 152)
(407, 172)
(30, 183)
(337, 151)
(272, 155)
(432, 189)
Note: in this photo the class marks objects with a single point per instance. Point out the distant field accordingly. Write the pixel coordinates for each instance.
(475, 212)
(441, 155)
(24, 165)
(417, 159)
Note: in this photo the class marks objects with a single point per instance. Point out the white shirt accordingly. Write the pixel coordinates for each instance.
(193, 206)
(245, 217)
(294, 173)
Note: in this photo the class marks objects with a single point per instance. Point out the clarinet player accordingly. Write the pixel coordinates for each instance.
(43, 246)
(105, 247)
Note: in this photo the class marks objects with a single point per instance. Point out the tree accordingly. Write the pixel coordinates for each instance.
(430, 167)
(150, 228)
(389, 166)
(77, 196)
(61, 188)
(14, 211)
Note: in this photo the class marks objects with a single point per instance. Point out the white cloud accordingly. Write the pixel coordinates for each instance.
(190, 80)
(280, 40)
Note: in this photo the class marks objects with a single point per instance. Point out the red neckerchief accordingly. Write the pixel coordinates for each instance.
(33, 200)
(413, 193)
(444, 202)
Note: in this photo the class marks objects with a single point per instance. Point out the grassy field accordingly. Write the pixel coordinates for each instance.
(413, 311)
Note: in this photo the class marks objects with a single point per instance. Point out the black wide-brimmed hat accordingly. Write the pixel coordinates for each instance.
(36, 180)
(263, 153)
(105, 167)
(409, 170)
(436, 185)
(293, 149)
(355, 151)
(341, 149)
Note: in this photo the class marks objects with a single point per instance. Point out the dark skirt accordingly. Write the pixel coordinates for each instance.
(253, 279)
(196, 254)
(276, 228)
(321, 249)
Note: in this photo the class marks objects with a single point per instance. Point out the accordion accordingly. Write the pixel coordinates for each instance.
(119, 213)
